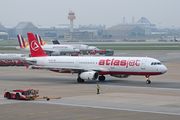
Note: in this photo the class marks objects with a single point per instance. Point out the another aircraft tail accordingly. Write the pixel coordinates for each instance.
(40, 40)
(55, 42)
(35, 48)
(21, 41)
(175, 39)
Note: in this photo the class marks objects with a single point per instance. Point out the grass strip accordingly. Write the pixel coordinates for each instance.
(140, 48)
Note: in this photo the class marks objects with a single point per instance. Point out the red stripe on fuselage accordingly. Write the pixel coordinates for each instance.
(116, 72)
(129, 73)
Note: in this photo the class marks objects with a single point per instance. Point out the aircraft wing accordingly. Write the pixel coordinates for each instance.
(66, 68)
(33, 61)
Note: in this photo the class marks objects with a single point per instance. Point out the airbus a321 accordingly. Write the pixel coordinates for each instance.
(93, 68)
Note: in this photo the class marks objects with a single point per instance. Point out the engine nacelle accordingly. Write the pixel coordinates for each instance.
(119, 76)
(55, 53)
(92, 75)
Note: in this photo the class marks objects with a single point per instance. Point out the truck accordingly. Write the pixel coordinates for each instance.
(93, 52)
(21, 94)
(27, 94)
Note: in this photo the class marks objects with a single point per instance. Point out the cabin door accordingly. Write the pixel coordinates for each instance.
(143, 64)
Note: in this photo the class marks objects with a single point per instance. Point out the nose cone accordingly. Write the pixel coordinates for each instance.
(163, 69)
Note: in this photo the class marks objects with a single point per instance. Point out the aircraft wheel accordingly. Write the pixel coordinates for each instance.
(102, 78)
(148, 82)
(79, 80)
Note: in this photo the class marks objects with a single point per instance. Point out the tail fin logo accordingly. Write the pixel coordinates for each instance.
(34, 45)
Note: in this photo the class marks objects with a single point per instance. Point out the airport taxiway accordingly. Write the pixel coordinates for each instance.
(125, 98)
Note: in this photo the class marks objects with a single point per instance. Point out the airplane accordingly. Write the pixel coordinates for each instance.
(12, 57)
(93, 68)
(52, 50)
(83, 48)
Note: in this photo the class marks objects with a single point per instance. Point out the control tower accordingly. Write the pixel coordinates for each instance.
(71, 17)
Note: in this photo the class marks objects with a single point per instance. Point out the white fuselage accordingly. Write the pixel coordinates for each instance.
(93, 48)
(105, 65)
(12, 57)
(81, 47)
(85, 48)
(52, 48)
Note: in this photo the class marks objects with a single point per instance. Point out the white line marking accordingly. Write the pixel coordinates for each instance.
(111, 108)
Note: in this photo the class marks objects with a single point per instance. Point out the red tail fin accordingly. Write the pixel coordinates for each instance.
(35, 48)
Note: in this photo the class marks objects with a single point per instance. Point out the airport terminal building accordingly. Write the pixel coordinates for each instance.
(140, 28)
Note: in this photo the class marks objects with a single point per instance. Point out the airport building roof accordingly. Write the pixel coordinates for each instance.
(124, 27)
(23, 25)
(2, 28)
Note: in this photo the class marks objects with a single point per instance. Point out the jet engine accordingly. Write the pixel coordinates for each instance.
(119, 76)
(92, 75)
(55, 53)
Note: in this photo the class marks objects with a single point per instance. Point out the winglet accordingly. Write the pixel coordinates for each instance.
(35, 48)
(27, 66)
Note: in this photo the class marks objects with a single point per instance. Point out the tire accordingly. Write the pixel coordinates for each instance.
(79, 80)
(102, 78)
(17, 96)
(8, 95)
(148, 82)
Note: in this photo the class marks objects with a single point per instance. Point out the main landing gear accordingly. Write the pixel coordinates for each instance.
(102, 78)
(79, 80)
(147, 79)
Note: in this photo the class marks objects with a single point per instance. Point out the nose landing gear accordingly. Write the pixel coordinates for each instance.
(147, 79)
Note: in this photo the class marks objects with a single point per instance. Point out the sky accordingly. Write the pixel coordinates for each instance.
(163, 13)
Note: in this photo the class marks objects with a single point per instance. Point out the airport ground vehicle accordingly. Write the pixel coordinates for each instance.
(101, 52)
(109, 52)
(28, 94)
(21, 94)
(92, 52)
(13, 63)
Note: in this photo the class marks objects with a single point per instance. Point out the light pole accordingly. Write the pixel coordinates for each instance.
(160, 30)
(173, 31)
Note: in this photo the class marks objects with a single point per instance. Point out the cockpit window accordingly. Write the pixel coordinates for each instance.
(156, 63)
